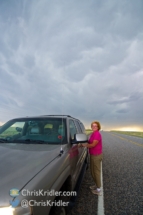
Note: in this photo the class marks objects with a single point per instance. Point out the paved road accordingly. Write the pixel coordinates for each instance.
(122, 178)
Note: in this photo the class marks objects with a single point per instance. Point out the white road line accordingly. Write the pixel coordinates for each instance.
(100, 210)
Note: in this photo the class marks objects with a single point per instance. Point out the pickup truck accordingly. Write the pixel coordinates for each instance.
(41, 164)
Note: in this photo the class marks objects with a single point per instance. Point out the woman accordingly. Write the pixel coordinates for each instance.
(95, 151)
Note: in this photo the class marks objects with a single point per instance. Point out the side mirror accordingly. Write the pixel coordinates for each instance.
(80, 138)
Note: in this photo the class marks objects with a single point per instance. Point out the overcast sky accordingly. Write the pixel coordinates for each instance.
(77, 57)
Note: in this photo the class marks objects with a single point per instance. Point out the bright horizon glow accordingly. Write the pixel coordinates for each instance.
(1, 123)
(130, 129)
(125, 128)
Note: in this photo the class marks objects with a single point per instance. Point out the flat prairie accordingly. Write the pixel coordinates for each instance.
(88, 131)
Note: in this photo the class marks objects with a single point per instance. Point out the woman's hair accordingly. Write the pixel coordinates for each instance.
(98, 124)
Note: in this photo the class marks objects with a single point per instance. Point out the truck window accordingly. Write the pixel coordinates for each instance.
(78, 127)
(72, 129)
(82, 127)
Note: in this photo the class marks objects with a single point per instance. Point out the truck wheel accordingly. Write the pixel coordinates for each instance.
(60, 210)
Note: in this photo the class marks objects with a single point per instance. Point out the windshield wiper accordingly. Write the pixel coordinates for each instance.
(2, 140)
(29, 141)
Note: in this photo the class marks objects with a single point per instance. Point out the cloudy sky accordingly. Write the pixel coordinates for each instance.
(77, 57)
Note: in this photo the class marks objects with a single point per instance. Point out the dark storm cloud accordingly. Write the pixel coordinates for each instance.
(82, 58)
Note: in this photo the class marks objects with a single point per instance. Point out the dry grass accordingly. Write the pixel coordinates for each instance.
(88, 131)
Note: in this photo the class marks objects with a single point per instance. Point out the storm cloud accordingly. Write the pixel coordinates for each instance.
(82, 58)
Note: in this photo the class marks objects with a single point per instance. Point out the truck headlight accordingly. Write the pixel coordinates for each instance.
(12, 211)
(7, 211)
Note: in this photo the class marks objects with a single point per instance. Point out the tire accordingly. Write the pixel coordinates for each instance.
(60, 210)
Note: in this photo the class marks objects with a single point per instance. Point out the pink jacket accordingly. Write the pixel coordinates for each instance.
(96, 150)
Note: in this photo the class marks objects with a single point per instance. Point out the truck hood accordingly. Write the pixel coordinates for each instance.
(19, 163)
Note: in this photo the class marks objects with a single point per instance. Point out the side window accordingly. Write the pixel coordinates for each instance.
(82, 127)
(78, 127)
(72, 128)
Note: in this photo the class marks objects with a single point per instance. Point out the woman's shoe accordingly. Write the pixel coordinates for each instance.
(96, 192)
(93, 187)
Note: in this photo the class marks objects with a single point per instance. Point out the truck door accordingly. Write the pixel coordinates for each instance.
(74, 150)
(83, 150)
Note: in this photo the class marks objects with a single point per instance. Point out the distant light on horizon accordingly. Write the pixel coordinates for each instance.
(127, 128)
(140, 129)
(1, 123)
(123, 127)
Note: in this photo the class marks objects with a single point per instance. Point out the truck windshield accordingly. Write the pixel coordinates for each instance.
(34, 130)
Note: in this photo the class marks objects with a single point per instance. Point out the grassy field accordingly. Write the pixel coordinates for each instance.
(130, 133)
(88, 131)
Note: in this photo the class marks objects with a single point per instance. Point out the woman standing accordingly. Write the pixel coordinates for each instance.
(95, 151)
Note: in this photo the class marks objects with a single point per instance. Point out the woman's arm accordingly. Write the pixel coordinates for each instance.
(91, 145)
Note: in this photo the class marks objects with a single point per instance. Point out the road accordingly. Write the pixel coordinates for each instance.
(122, 178)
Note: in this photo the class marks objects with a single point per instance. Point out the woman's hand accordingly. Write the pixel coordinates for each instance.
(84, 145)
(79, 145)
